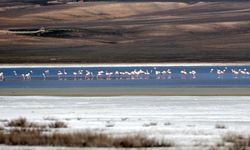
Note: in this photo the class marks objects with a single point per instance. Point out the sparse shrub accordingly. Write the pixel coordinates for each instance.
(50, 119)
(22, 136)
(110, 124)
(58, 124)
(146, 125)
(124, 119)
(153, 123)
(20, 122)
(167, 123)
(220, 126)
(139, 141)
(239, 142)
(150, 124)
(2, 139)
(23, 123)
(67, 119)
(220, 144)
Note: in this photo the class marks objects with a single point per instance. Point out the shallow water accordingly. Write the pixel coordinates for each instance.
(203, 77)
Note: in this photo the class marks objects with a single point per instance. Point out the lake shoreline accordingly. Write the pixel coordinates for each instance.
(127, 91)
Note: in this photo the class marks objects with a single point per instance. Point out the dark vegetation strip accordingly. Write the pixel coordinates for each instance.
(34, 137)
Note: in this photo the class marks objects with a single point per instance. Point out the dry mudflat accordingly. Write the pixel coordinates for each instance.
(115, 32)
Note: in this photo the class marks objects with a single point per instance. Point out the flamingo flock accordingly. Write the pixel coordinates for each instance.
(128, 75)
(234, 72)
(101, 75)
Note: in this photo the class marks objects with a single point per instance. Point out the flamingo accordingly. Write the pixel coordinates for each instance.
(108, 75)
(117, 74)
(99, 74)
(234, 72)
(184, 73)
(111, 73)
(169, 73)
(220, 73)
(193, 74)
(246, 72)
(65, 73)
(127, 75)
(80, 72)
(75, 74)
(28, 76)
(164, 74)
(134, 74)
(122, 75)
(147, 74)
(23, 76)
(46, 72)
(142, 73)
(158, 74)
(91, 75)
(15, 74)
(1, 76)
(88, 75)
(44, 76)
(59, 74)
(241, 71)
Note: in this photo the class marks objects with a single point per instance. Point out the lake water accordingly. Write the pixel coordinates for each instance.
(203, 78)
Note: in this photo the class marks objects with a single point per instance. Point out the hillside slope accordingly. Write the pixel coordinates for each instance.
(127, 32)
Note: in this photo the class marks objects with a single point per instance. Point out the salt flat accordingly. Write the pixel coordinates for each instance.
(185, 120)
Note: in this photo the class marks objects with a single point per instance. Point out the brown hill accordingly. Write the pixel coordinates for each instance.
(126, 32)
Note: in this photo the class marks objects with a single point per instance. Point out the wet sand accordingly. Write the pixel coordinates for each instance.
(126, 91)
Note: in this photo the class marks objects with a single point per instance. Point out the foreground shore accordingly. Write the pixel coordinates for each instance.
(188, 122)
(126, 91)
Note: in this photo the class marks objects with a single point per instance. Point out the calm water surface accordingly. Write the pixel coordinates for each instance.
(203, 77)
